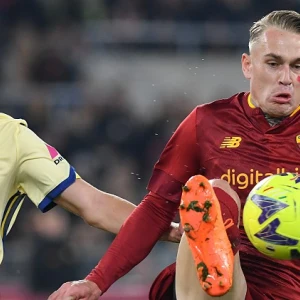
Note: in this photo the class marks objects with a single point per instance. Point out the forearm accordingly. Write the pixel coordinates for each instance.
(95, 207)
(136, 239)
(109, 212)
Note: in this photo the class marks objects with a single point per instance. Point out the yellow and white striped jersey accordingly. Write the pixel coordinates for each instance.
(29, 168)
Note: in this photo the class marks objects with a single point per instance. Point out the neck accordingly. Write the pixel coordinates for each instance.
(273, 121)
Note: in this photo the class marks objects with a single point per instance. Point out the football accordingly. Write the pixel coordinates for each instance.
(271, 216)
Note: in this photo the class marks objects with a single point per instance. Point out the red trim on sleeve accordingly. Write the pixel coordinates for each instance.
(137, 237)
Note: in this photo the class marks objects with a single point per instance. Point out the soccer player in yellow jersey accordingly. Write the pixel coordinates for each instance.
(32, 169)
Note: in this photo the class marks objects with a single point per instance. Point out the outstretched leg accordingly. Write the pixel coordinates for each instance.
(198, 267)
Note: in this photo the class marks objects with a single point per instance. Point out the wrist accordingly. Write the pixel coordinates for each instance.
(94, 286)
(95, 282)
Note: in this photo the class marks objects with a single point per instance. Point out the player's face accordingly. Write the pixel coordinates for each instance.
(273, 68)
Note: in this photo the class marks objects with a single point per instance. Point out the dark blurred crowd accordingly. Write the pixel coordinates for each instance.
(43, 14)
(42, 51)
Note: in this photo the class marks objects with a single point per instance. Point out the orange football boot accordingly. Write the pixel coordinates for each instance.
(202, 222)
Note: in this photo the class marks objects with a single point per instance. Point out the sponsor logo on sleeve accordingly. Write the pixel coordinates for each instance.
(54, 154)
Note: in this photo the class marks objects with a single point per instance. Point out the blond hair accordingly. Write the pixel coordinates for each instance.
(288, 20)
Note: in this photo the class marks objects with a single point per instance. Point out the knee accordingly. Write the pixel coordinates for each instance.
(221, 183)
(225, 186)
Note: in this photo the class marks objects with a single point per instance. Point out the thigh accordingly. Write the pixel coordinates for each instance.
(186, 282)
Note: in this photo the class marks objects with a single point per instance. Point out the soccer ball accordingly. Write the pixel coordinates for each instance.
(271, 216)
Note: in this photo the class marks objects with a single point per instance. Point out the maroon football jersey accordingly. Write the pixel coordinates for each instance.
(232, 140)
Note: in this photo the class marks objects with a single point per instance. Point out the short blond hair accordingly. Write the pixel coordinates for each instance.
(288, 20)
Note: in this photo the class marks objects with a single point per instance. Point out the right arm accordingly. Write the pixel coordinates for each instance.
(140, 232)
(136, 239)
(97, 208)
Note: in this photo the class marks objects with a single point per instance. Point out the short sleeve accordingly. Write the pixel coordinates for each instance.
(42, 172)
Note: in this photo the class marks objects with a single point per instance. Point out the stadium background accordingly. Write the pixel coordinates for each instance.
(106, 83)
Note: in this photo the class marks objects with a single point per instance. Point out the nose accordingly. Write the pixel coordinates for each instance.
(285, 76)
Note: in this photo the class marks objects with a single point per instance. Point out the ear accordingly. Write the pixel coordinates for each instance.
(246, 65)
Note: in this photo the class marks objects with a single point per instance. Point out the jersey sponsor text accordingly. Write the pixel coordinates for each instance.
(244, 180)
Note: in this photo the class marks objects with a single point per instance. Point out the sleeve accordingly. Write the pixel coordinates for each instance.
(178, 162)
(42, 172)
(138, 235)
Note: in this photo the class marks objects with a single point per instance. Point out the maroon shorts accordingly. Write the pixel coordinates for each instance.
(254, 294)
(163, 287)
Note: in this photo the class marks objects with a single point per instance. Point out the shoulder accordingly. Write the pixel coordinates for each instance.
(6, 119)
(221, 106)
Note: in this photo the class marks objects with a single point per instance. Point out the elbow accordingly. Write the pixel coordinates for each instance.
(97, 223)
(93, 219)
(103, 212)
(105, 222)
(92, 212)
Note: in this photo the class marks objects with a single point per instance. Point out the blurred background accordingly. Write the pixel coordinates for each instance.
(107, 82)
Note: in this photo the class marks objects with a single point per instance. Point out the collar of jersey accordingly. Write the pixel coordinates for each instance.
(251, 105)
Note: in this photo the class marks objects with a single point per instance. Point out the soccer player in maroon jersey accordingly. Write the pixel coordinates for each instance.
(239, 140)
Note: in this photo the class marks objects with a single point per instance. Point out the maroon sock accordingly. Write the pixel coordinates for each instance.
(229, 210)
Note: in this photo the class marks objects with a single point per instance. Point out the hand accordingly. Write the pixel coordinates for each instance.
(77, 290)
(173, 234)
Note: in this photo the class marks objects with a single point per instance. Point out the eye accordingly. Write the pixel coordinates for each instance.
(273, 64)
(296, 68)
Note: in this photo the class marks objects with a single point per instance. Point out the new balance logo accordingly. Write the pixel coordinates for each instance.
(231, 142)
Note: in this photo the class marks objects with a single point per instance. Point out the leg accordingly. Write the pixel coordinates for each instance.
(187, 283)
